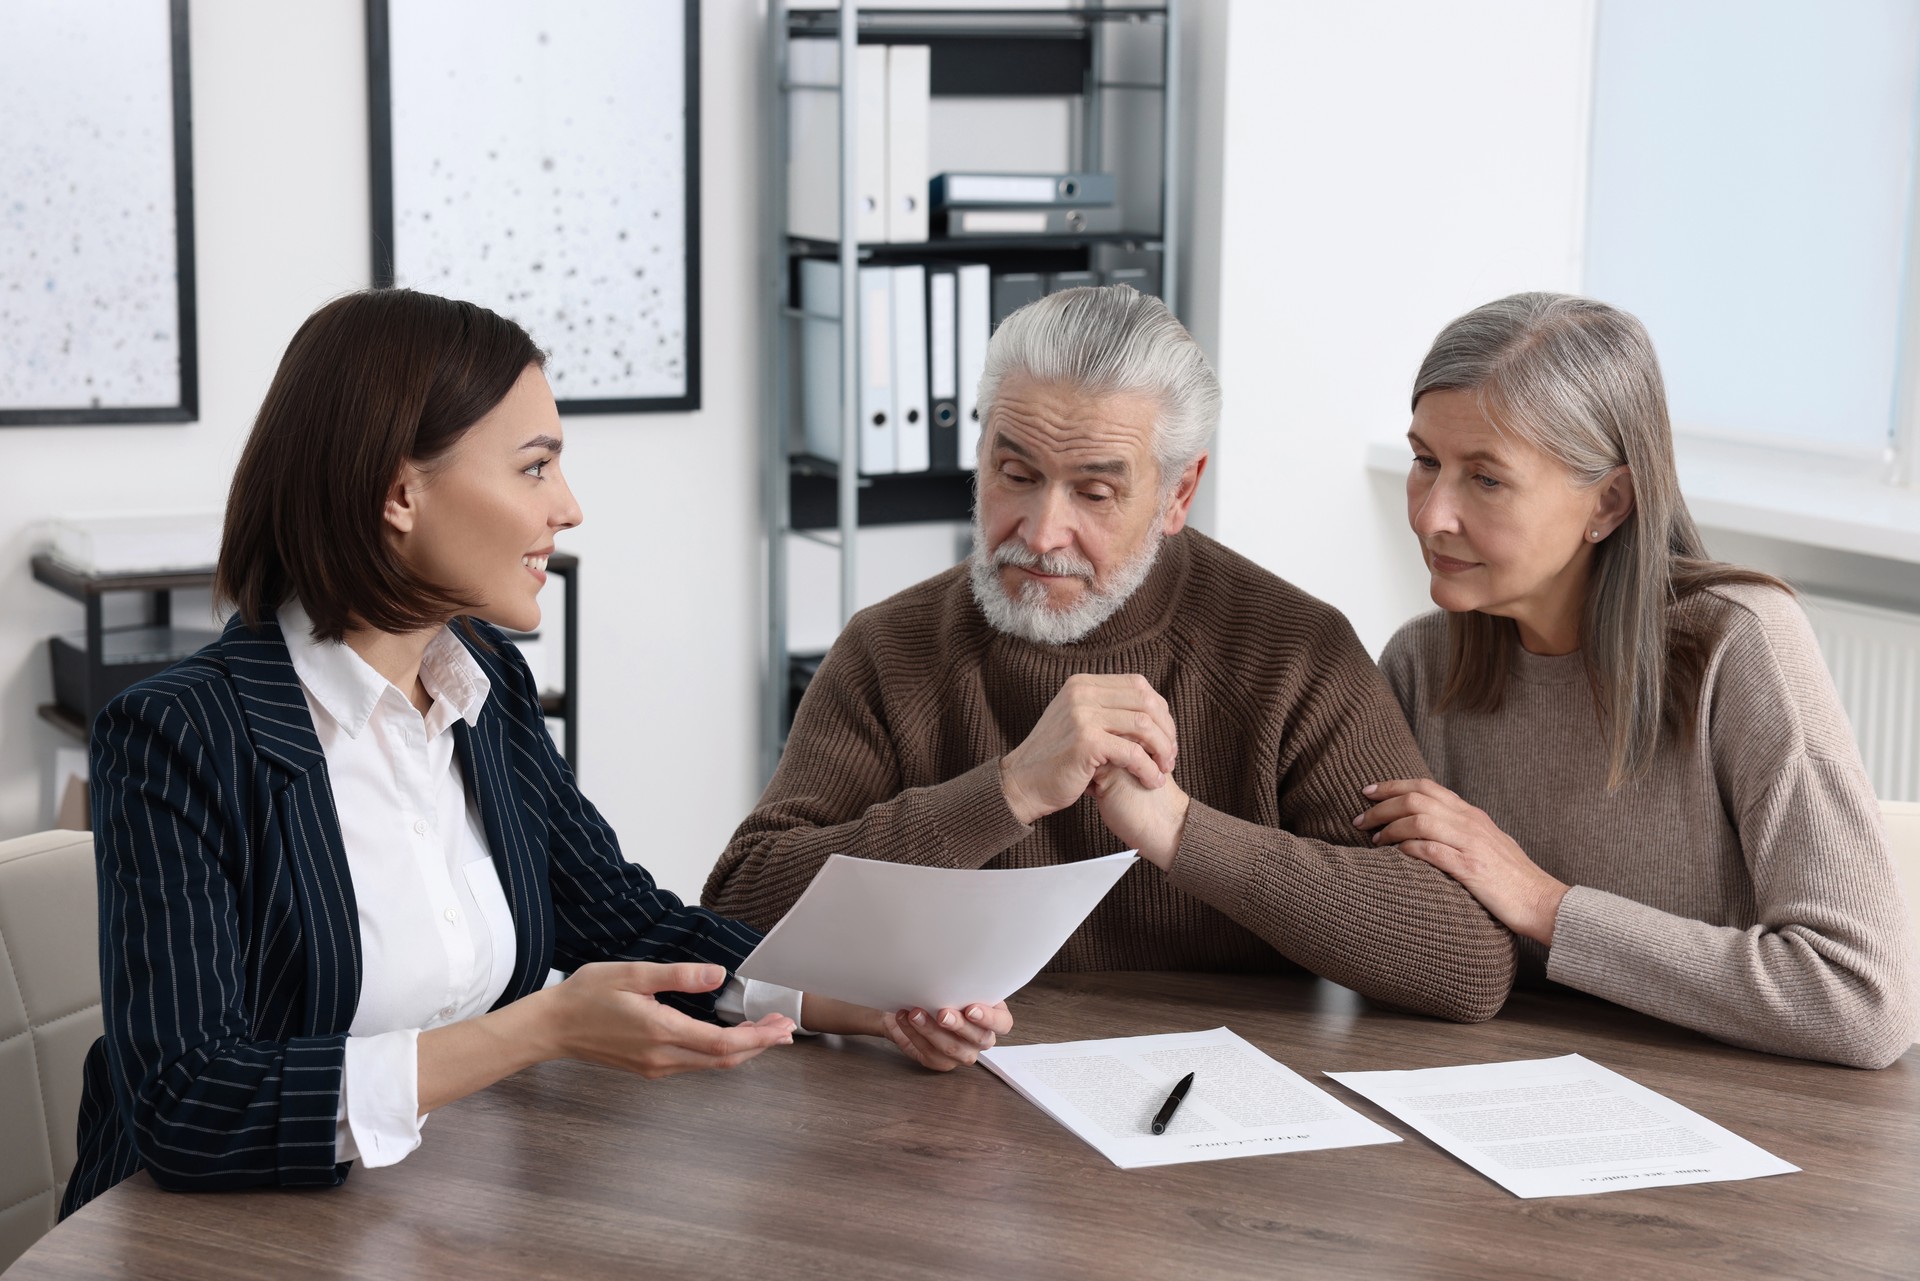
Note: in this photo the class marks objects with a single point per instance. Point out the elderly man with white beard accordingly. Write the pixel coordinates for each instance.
(1099, 677)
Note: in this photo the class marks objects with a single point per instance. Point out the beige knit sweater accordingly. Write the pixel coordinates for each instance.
(1281, 720)
(1743, 889)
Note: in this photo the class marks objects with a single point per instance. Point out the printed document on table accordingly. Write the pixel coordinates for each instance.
(892, 935)
(1563, 1127)
(1242, 1103)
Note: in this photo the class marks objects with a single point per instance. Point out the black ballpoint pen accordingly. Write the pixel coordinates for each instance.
(1167, 1109)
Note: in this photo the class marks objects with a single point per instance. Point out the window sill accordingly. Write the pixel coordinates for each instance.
(1783, 494)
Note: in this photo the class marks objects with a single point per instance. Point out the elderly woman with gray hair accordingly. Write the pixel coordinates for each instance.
(1643, 767)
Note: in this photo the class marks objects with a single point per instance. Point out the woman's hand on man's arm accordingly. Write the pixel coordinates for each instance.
(1435, 825)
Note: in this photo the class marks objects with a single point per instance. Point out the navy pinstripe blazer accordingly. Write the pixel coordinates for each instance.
(229, 936)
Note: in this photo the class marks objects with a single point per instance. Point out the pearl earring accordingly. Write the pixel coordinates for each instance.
(1595, 535)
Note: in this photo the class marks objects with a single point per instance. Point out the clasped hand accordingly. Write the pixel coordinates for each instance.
(1112, 737)
(1436, 826)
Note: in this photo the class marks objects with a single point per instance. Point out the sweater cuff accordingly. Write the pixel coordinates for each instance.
(970, 815)
(1214, 862)
(1596, 938)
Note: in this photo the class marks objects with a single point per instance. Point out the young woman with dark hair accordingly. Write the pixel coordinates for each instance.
(338, 852)
(1640, 764)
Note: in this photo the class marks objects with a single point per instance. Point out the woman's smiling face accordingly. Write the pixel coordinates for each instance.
(480, 519)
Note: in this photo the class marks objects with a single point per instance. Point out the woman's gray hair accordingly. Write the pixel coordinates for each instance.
(1579, 381)
(1113, 340)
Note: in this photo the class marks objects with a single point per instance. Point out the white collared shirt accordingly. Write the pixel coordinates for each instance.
(437, 940)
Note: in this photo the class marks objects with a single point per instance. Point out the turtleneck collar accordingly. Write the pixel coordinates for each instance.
(1547, 669)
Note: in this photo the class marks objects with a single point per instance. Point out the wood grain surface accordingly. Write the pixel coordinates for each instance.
(839, 1159)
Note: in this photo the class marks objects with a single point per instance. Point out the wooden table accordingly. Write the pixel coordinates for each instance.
(832, 1159)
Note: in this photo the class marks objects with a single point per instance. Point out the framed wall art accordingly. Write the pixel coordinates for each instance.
(96, 214)
(542, 159)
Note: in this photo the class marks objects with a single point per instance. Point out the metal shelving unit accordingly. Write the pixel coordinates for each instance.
(102, 681)
(1060, 52)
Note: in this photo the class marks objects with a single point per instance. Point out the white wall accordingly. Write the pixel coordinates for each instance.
(671, 608)
(1199, 152)
(670, 551)
(1388, 164)
(280, 196)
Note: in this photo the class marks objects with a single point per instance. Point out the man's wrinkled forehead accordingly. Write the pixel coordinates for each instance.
(1051, 425)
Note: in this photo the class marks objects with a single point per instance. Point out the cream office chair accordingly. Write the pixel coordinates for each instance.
(49, 1016)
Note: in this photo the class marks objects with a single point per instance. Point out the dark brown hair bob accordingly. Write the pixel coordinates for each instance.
(370, 382)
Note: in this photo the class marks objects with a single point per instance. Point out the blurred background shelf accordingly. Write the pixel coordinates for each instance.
(1092, 89)
(91, 666)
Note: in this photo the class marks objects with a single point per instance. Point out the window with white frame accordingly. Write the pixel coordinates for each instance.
(1752, 199)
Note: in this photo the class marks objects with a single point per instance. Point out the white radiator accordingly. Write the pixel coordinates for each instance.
(1874, 655)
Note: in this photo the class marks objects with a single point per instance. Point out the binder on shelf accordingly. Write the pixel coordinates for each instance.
(1071, 280)
(878, 444)
(1139, 277)
(1079, 220)
(820, 357)
(912, 442)
(878, 451)
(909, 84)
(813, 140)
(1134, 265)
(819, 300)
(1013, 290)
(952, 190)
(973, 322)
(943, 367)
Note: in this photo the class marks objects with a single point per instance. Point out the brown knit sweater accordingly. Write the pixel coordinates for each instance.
(1744, 888)
(1281, 720)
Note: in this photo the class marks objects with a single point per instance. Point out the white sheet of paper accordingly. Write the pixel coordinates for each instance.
(893, 936)
(1563, 1127)
(1242, 1103)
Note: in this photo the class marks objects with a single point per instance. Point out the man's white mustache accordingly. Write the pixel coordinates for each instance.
(1058, 564)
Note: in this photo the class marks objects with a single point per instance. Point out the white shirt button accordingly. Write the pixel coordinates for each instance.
(447, 1013)
(450, 914)
(420, 826)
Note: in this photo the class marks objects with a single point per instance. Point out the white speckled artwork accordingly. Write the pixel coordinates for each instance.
(539, 168)
(89, 301)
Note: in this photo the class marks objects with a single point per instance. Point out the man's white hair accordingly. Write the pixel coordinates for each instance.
(1112, 340)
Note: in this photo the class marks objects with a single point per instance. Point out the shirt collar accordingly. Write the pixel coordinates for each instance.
(349, 689)
(454, 679)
